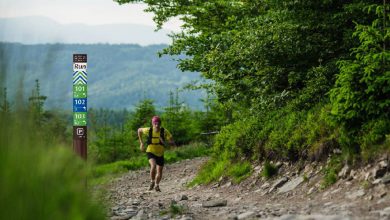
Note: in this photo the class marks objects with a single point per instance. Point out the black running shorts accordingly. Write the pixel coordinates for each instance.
(159, 160)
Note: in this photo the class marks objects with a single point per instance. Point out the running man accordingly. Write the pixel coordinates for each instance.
(157, 138)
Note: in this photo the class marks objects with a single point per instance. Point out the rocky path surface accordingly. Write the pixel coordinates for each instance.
(293, 194)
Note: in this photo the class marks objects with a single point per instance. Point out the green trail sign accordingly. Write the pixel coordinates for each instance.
(80, 91)
(79, 119)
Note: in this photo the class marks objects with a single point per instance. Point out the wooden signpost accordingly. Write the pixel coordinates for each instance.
(80, 104)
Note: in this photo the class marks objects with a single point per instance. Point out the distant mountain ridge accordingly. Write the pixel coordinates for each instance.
(119, 76)
(41, 30)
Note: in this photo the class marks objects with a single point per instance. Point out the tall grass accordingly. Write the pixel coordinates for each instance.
(40, 179)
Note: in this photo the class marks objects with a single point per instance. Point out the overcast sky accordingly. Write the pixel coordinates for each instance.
(82, 11)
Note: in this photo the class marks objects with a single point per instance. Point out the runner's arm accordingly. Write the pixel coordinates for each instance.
(141, 143)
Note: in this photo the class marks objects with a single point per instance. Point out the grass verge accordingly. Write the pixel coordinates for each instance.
(102, 174)
(214, 169)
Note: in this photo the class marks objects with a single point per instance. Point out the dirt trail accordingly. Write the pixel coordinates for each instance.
(293, 194)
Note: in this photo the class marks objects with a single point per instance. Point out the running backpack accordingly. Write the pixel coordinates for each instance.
(162, 136)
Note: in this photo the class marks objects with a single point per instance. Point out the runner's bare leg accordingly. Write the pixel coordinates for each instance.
(152, 163)
(159, 174)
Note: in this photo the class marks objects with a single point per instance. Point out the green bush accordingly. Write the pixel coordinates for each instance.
(360, 97)
(236, 140)
(239, 171)
(374, 138)
(269, 170)
(210, 172)
(288, 134)
(331, 170)
(374, 133)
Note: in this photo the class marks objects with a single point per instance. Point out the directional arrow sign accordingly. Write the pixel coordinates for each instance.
(80, 105)
(80, 91)
(79, 119)
(79, 77)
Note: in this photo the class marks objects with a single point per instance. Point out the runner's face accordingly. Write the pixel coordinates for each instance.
(156, 124)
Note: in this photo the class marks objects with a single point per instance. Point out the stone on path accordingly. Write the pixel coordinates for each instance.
(123, 217)
(386, 179)
(141, 215)
(344, 172)
(181, 197)
(245, 215)
(385, 213)
(291, 185)
(280, 182)
(214, 203)
(311, 217)
(355, 195)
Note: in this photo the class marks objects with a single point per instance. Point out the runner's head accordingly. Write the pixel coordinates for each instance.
(156, 121)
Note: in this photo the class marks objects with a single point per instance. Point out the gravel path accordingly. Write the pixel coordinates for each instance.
(293, 194)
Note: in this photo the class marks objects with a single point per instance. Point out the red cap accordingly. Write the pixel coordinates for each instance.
(156, 119)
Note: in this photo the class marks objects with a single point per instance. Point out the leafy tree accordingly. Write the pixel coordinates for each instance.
(259, 53)
(178, 120)
(5, 105)
(362, 90)
(144, 111)
(273, 64)
(36, 104)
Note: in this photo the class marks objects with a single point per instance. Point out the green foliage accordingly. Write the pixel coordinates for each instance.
(174, 209)
(36, 104)
(211, 171)
(360, 98)
(5, 107)
(331, 170)
(40, 178)
(143, 114)
(113, 134)
(259, 51)
(282, 68)
(179, 120)
(214, 169)
(374, 132)
(119, 166)
(269, 170)
(186, 152)
(110, 147)
(240, 171)
(236, 140)
(374, 138)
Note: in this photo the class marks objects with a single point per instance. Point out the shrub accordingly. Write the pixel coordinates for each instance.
(331, 170)
(239, 171)
(269, 170)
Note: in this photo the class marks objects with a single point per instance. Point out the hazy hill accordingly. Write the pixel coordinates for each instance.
(118, 75)
(40, 30)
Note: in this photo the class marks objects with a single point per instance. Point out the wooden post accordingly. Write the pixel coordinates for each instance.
(80, 105)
